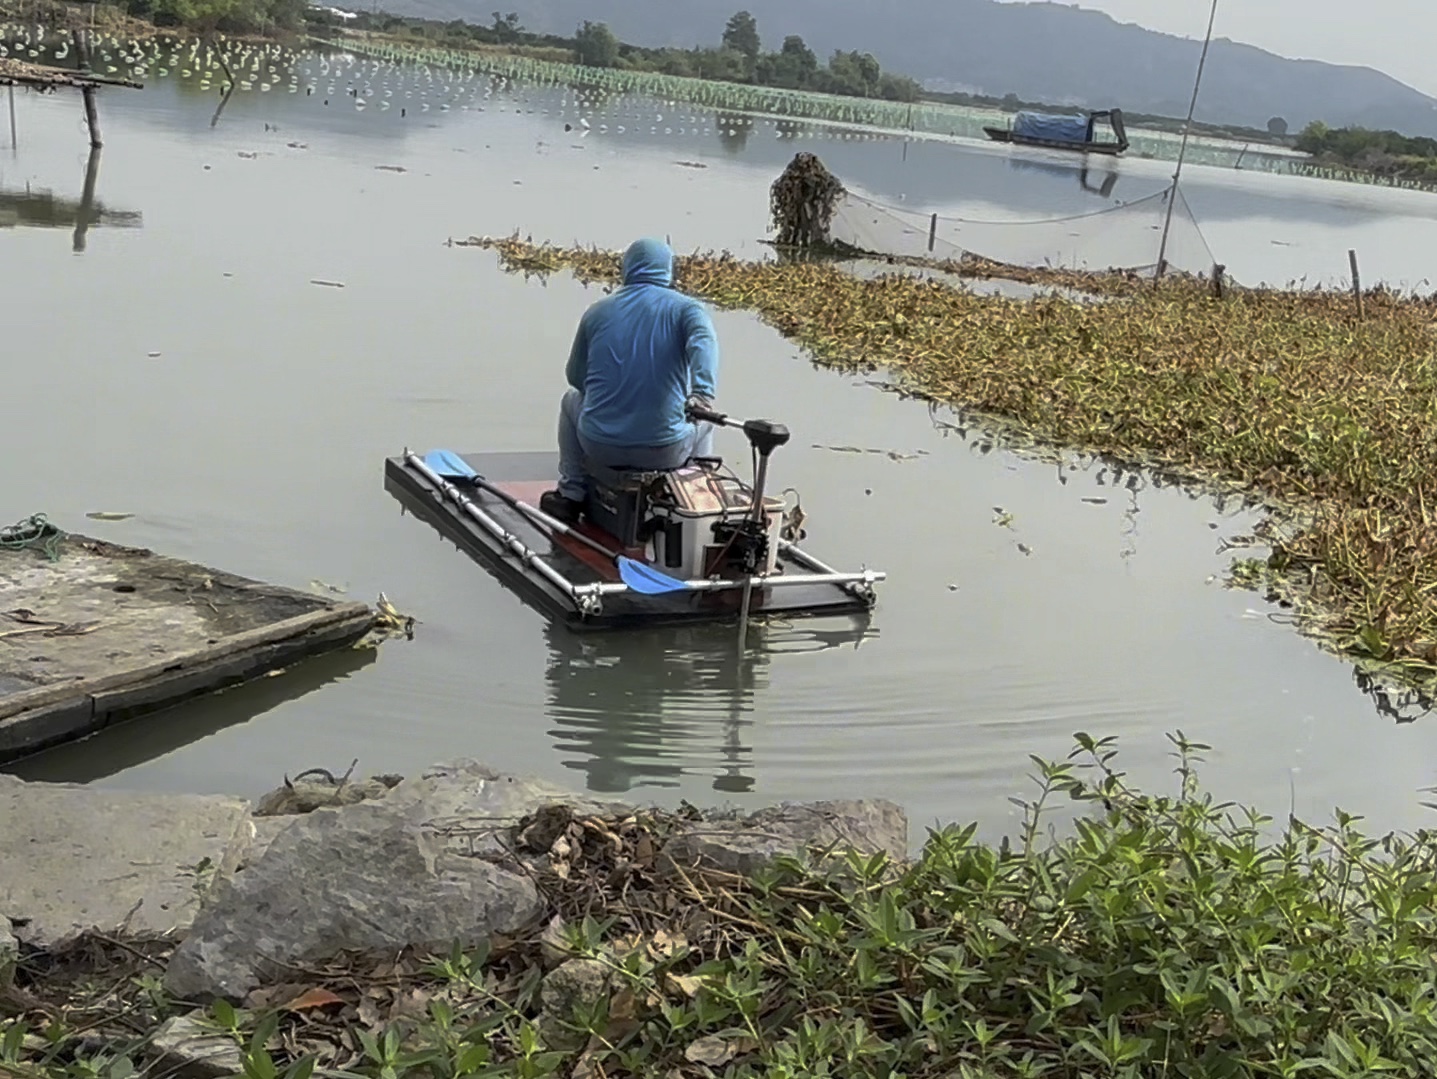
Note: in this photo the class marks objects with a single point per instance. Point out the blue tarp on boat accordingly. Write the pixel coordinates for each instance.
(1040, 125)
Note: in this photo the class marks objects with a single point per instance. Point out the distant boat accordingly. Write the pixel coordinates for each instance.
(1064, 132)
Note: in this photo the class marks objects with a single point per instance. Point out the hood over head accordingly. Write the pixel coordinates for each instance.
(649, 262)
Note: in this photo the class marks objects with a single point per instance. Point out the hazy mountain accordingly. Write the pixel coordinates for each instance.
(1039, 51)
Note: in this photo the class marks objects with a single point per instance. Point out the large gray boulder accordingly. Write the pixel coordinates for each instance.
(744, 845)
(427, 866)
(362, 879)
(477, 805)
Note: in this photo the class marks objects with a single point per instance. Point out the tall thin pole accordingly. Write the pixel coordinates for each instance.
(1183, 149)
(92, 116)
(14, 145)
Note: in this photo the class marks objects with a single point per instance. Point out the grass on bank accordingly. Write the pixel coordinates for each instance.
(1331, 419)
(1161, 936)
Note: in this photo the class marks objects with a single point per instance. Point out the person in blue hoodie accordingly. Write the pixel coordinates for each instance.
(639, 356)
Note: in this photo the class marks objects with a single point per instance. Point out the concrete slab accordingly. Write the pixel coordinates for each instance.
(74, 858)
(103, 633)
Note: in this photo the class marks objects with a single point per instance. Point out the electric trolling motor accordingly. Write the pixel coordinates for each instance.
(748, 535)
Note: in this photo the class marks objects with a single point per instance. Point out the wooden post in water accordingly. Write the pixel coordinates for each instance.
(92, 117)
(1356, 280)
(932, 233)
(1217, 285)
(85, 59)
(14, 145)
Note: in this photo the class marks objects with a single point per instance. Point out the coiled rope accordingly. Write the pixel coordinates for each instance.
(33, 531)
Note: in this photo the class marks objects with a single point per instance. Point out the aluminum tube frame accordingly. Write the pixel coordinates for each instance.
(526, 554)
(589, 597)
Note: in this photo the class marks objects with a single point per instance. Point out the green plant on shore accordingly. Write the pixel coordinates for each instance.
(201, 876)
(1283, 393)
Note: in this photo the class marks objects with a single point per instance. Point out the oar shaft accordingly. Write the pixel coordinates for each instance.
(637, 576)
(510, 541)
(553, 523)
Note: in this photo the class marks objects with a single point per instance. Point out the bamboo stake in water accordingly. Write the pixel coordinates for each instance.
(1183, 149)
(92, 116)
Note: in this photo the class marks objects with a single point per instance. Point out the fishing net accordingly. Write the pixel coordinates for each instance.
(802, 201)
(1126, 237)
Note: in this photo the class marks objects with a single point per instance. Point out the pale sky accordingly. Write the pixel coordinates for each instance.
(1394, 36)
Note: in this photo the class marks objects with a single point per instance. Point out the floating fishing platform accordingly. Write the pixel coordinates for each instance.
(93, 633)
(567, 577)
(44, 77)
(47, 79)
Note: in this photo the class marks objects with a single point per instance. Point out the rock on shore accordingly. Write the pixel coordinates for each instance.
(425, 862)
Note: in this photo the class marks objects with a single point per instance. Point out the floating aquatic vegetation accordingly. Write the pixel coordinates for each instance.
(1329, 420)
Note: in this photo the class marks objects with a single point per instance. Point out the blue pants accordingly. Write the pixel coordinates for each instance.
(575, 450)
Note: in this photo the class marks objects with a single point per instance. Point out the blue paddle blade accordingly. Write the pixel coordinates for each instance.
(647, 580)
(449, 464)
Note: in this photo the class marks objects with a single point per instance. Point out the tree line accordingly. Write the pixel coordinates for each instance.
(277, 17)
(738, 57)
(1387, 153)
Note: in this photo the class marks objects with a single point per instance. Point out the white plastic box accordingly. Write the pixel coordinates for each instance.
(698, 498)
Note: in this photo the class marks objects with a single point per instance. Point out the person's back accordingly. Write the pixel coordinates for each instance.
(638, 356)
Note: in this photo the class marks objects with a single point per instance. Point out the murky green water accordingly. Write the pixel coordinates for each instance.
(184, 368)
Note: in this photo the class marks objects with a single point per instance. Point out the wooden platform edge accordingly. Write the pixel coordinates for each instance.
(68, 710)
(79, 714)
(15, 72)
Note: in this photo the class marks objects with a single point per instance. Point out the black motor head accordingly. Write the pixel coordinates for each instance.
(764, 435)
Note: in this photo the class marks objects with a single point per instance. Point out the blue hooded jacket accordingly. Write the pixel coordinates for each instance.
(640, 352)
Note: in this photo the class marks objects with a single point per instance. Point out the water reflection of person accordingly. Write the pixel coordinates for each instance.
(645, 707)
(638, 708)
